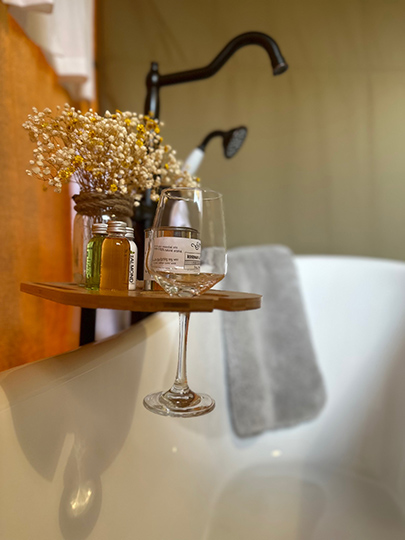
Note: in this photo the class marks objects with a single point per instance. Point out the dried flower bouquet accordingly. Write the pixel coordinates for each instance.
(115, 153)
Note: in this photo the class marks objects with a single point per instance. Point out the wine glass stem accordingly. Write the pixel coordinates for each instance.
(180, 385)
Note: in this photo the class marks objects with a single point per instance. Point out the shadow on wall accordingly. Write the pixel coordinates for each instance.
(83, 424)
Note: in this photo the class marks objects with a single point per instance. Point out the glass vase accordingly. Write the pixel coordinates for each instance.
(101, 210)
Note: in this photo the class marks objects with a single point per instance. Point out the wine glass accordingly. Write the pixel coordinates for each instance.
(186, 256)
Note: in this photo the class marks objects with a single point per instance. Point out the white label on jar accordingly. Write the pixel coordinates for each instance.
(132, 265)
(146, 275)
(177, 255)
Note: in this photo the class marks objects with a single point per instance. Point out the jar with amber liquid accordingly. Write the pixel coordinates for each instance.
(115, 255)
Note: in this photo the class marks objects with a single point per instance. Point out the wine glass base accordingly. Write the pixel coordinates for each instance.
(159, 404)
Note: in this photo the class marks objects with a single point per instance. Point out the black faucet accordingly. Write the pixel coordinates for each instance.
(154, 81)
(144, 213)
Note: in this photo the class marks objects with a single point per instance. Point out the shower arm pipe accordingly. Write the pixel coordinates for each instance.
(155, 80)
(216, 133)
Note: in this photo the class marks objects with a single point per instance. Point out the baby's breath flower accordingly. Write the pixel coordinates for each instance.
(120, 152)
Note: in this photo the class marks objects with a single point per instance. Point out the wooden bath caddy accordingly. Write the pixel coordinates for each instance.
(140, 300)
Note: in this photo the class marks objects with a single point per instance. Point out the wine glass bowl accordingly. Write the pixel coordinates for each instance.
(187, 253)
(186, 256)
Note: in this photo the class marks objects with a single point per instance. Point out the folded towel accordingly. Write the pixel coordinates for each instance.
(273, 377)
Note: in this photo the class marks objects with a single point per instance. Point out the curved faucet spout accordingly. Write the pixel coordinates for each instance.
(155, 81)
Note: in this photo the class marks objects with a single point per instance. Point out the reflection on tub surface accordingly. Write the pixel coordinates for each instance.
(71, 416)
(316, 504)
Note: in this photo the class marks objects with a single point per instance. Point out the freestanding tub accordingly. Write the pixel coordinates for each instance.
(81, 458)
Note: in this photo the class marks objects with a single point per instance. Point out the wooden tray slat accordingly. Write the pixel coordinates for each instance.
(139, 300)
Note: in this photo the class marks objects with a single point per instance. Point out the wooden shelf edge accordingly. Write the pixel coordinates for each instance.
(139, 300)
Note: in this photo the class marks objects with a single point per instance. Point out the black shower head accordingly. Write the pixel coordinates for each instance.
(232, 140)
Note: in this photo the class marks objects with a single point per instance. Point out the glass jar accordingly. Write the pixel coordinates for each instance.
(115, 257)
(93, 262)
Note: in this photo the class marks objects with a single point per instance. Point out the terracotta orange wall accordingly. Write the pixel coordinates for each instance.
(34, 225)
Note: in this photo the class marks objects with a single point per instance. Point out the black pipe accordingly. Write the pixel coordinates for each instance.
(154, 81)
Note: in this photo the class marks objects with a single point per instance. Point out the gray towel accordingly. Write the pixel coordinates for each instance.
(273, 377)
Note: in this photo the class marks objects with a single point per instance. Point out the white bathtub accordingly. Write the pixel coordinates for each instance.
(81, 458)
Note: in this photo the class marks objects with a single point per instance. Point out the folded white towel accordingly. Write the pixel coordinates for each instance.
(274, 381)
